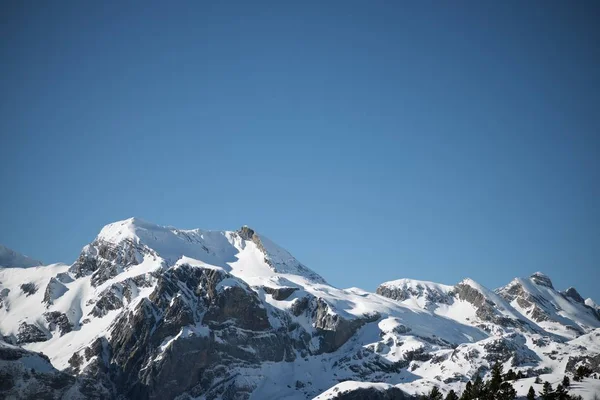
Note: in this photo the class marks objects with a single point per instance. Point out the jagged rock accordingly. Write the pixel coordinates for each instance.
(333, 329)
(75, 362)
(29, 333)
(281, 293)
(28, 375)
(3, 295)
(542, 280)
(53, 291)
(299, 306)
(104, 260)
(503, 350)
(400, 293)
(486, 309)
(186, 296)
(29, 288)
(112, 298)
(59, 320)
(246, 233)
(573, 294)
(64, 277)
(591, 361)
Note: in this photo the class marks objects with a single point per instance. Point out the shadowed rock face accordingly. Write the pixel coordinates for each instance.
(219, 328)
(58, 320)
(334, 329)
(185, 303)
(542, 280)
(104, 260)
(280, 293)
(29, 333)
(3, 295)
(19, 381)
(28, 288)
(573, 294)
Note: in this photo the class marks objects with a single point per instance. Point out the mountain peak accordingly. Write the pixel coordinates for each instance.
(11, 258)
(572, 293)
(542, 279)
(246, 232)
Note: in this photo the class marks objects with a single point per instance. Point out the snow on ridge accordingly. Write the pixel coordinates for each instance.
(413, 283)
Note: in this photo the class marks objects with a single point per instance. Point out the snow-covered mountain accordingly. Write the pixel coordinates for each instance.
(564, 313)
(152, 312)
(11, 258)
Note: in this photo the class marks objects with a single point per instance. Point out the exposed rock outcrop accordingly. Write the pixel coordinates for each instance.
(281, 293)
(29, 333)
(53, 291)
(58, 320)
(28, 288)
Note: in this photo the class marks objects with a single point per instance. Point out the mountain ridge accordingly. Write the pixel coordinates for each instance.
(12, 258)
(129, 317)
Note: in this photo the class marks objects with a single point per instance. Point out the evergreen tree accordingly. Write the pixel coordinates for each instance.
(531, 393)
(505, 392)
(478, 388)
(566, 382)
(538, 380)
(547, 393)
(494, 384)
(451, 395)
(467, 394)
(435, 394)
(561, 393)
(510, 375)
(582, 372)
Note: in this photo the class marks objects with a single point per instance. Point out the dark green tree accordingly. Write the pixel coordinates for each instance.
(582, 372)
(510, 375)
(561, 393)
(566, 382)
(505, 392)
(531, 393)
(478, 388)
(435, 394)
(451, 395)
(467, 394)
(494, 383)
(547, 393)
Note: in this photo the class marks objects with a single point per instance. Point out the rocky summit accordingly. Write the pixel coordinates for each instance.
(153, 312)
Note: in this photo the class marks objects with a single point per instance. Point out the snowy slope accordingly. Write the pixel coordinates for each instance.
(563, 313)
(11, 258)
(160, 305)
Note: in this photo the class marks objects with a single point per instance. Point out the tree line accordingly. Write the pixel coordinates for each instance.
(499, 387)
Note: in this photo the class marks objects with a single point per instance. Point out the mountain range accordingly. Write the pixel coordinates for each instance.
(154, 312)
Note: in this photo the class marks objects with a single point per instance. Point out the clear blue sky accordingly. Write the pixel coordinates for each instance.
(374, 140)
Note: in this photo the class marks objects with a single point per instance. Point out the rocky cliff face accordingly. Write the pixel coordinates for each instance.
(150, 312)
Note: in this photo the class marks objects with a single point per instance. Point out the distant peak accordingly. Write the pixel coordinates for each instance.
(246, 232)
(542, 279)
(572, 293)
(469, 282)
(11, 258)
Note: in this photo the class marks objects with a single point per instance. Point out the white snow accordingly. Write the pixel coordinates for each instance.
(429, 319)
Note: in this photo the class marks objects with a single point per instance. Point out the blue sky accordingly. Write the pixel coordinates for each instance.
(374, 140)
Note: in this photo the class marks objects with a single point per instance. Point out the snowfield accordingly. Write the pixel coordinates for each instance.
(248, 317)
